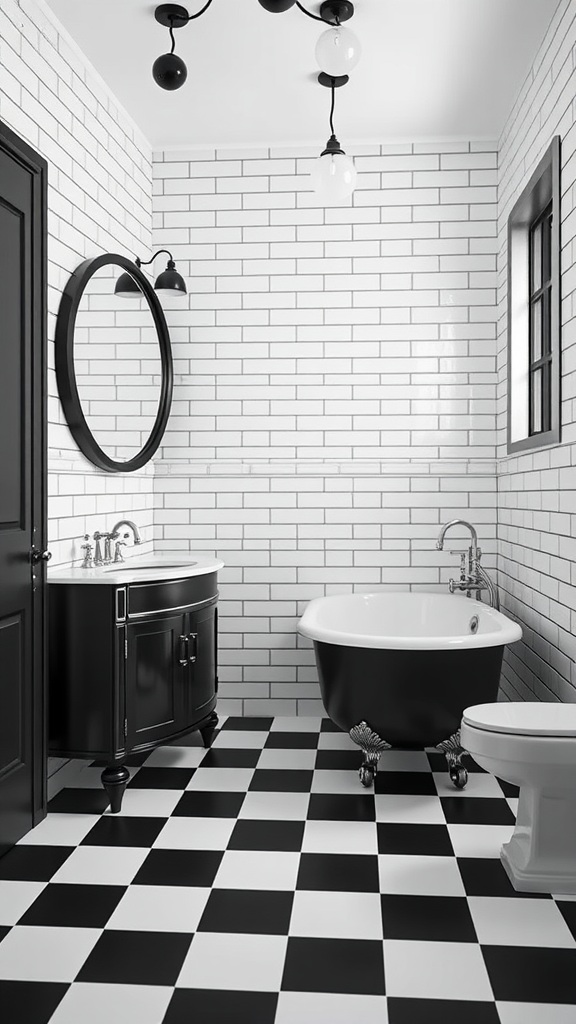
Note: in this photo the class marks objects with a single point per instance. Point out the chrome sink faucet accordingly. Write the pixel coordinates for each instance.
(114, 535)
(473, 576)
(105, 557)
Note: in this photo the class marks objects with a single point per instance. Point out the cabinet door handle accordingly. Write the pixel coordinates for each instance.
(193, 638)
(183, 659)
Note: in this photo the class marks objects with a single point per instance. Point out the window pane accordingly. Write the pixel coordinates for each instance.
(546, 325)
(536, 401)
(536, 331)
(546, 396)
(536, 257)
(546, 247)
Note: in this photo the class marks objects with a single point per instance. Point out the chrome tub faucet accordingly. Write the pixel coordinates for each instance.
(473, 576)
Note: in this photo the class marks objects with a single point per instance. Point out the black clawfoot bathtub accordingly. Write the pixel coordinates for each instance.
(406, 665)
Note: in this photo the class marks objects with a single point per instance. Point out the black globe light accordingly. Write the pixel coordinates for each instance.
(169, 283)
(169, 71)
(277, 6)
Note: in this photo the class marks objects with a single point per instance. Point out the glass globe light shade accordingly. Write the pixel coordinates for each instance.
(333, 177)
(169, 71)
(338, 51)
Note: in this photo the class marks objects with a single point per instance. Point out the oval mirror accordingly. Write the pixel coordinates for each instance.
(113, 365)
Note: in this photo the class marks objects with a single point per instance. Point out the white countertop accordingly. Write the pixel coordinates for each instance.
(139, 569)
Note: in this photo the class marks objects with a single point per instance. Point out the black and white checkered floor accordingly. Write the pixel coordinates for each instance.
(259, 883)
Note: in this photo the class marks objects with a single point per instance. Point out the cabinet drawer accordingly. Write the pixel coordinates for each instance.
(168, 595)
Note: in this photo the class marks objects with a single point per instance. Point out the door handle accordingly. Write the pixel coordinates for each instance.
(37, 556)
(183, 659)
(193, 638)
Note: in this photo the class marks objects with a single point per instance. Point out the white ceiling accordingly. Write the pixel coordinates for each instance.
(429, 68)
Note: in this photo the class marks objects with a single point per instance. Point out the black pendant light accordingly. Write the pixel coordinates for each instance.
(169, 70)
(169, 283)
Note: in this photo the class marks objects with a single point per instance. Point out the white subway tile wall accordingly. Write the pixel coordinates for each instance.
(537, 492)
(99, 200)
(340, 372)
(335, 387)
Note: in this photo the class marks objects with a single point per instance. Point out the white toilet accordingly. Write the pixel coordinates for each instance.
(533, 746)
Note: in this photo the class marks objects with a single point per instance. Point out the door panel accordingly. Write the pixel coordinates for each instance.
(12, 754)
(12, 451)
(201, 673)
(22, 485)
(154, 679)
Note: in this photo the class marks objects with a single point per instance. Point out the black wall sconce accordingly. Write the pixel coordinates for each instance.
(169, 282)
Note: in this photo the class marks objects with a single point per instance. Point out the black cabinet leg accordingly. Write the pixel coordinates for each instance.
(207, 731)
(115, 779)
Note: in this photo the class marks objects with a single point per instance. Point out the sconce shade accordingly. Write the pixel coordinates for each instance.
(170, 282)
(127, 288)
(277, 6)
(169, 71)
(338, 51)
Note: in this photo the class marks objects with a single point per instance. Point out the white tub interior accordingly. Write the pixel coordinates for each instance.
(406, 620)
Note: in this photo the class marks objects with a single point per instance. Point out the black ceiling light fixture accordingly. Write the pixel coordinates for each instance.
(169, 70)
(169, 283)
(337, 51)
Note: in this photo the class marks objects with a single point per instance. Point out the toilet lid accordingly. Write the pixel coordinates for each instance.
(525, 718)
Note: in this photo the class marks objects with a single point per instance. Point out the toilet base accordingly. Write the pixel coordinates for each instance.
(541, 855)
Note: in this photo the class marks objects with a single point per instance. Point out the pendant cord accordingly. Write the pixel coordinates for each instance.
(317, 17)
(191, 17)
(332, 108)
(184, 21)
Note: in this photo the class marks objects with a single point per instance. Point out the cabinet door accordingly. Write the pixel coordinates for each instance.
(201, 670)
(155, 679)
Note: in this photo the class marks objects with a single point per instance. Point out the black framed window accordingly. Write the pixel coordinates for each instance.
(534, 308)
(540, 302)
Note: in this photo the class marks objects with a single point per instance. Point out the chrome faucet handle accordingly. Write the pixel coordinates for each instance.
(117, 553)
(464, 558)
(107, 547)
(87, 563)
(98, 559)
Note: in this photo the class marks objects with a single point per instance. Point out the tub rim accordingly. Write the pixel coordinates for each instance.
(508, 631)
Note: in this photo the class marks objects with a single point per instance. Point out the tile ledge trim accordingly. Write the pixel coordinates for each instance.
(358, 467)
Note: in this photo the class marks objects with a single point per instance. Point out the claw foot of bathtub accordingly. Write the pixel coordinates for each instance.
(453, 751)
(372, 746)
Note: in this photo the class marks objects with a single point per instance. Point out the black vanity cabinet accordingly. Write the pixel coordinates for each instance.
(131, 667)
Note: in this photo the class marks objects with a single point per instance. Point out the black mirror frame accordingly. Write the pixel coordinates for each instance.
(66, 376)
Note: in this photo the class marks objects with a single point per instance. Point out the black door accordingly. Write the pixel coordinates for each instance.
(155, 679)
(22, 486)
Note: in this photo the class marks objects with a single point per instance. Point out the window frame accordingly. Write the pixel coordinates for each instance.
(540, 194)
